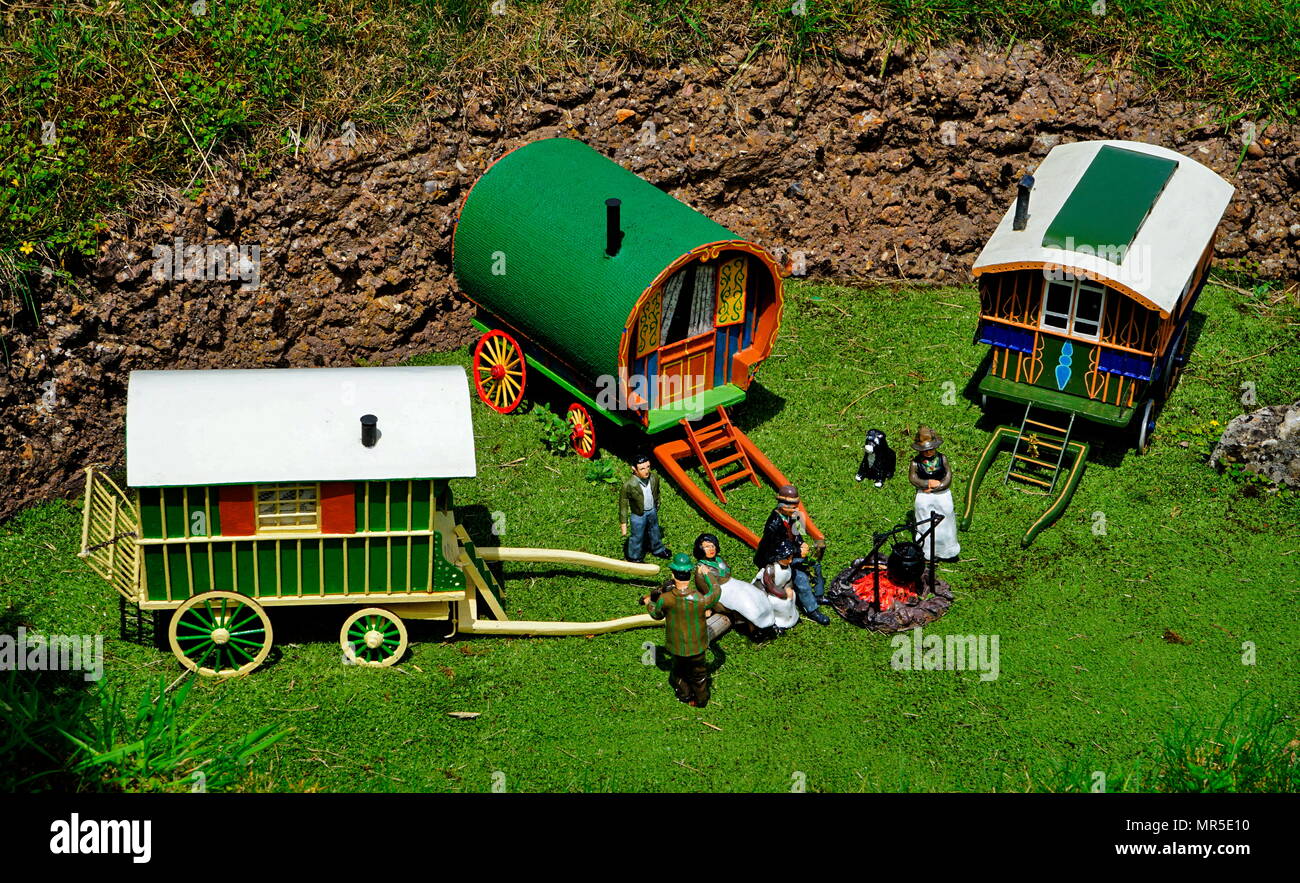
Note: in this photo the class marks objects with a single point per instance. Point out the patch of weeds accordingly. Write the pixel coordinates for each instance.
(148, 750)
(602, 472)
(1252, 749)
(555, 431)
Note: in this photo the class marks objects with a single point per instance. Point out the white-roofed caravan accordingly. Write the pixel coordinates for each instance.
(260, 488)
(1087, 288)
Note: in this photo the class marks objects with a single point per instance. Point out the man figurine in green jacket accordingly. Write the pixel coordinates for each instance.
(685, 607)
(638, 509)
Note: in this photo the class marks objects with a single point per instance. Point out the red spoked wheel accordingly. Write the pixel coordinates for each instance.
(582, 431)
(500, 371)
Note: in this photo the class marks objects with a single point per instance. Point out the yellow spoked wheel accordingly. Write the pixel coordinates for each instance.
(582, 431)
(220, 634)
(500, 371)
(373, 636)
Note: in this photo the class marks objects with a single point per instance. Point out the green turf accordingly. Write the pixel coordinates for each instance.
(1087, 679)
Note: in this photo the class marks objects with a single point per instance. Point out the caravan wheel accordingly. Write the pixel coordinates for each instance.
(582, 431)
(373, 636)
(1146, 424)
(500, 371)
(220, 634)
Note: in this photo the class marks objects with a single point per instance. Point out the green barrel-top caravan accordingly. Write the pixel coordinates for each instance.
(1087, 287)
(641, 309)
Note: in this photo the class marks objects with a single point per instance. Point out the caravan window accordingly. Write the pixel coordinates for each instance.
(1073, 307)
(289, 507)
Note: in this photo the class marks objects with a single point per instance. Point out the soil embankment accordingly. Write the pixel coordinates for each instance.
(879, 166)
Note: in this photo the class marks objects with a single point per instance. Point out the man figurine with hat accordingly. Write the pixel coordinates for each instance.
(685, 607)
(787, 523)
(638, 509)
(931, 475)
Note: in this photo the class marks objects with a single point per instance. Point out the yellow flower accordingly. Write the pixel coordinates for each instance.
(15, 182)
(1214, 422)
(26, 248)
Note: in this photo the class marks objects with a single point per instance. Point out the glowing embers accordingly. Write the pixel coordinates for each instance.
(890, 594)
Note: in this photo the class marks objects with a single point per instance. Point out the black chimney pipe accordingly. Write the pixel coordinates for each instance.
(613, 231)
(1021, 219)
(369, 430)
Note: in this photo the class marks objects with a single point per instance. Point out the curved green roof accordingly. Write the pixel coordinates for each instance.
(537, 217)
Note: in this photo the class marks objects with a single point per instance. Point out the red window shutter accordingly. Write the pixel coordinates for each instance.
(338, 507)
(235, 502)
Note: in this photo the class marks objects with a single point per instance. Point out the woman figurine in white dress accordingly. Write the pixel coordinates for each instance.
(776, 581)
(932, 476)
(764, 609)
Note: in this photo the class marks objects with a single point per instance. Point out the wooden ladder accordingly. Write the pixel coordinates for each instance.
(1033, 466)
(716, 447)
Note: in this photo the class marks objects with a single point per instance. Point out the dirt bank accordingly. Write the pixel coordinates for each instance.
(879, 166)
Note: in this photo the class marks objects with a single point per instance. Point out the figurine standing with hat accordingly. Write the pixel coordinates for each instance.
(685, 607)
(931, 475)
(787, 523)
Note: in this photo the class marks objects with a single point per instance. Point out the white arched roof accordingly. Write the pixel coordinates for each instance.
(241, 426)
(1161, 257)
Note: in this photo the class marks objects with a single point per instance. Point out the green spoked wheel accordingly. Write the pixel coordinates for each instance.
(220, 634)
(373, 636)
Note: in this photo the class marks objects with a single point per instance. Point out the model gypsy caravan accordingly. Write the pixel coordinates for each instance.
(638, 307)
(1086, 290)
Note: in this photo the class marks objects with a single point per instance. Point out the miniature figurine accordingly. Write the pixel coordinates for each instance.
(745, 605)
(686, 608)
(931, 475)
(638, 507)
(787, 522)
(775, 582)
(708, 553)
(878, 459)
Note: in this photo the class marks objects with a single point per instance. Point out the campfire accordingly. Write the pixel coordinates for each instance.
(874, 581)
(894, 593)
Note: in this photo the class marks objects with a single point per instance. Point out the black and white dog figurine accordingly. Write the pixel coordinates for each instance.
(878, 459)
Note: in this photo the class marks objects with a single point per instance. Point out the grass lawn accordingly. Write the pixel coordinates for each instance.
(1115, 629)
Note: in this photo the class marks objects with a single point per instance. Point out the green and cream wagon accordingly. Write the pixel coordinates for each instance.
(1087, 288)
(260, 488)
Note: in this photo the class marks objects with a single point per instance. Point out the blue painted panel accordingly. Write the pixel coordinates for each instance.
(1126, 364)
(1017, 339)
(1063, 369)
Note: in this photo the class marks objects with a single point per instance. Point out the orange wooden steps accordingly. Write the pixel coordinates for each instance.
(717, 435)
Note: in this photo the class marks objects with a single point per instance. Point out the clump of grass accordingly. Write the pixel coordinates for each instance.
(149, 750)
(54, 736)
(35, 708)
(1252, 749)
